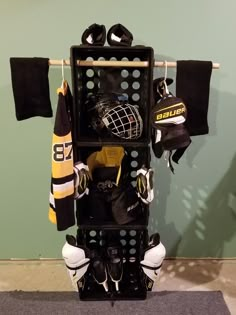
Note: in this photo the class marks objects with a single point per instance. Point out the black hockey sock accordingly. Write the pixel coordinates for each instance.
(192, 85)
(30, 87)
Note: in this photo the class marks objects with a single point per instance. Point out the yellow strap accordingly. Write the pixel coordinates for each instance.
(110, 156)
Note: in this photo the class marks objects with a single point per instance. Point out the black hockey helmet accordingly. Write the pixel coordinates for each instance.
(98, 105)
(116, 115)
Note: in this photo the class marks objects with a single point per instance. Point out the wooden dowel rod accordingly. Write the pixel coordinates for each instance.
(113, 63)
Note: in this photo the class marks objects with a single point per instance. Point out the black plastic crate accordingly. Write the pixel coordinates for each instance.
(137, 157)
(134, 83)
(132, 242)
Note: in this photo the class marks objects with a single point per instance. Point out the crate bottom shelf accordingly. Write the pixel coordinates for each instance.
(131, 287)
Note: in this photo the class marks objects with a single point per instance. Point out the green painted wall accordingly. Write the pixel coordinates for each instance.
(191, 210)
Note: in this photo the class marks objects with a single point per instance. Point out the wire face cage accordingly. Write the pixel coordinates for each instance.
(133, 83)
(124, 121)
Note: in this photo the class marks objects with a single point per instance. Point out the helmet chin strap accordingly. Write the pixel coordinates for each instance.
(124, 121)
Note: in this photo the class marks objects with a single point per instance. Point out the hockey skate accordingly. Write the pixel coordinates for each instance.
(115, 264)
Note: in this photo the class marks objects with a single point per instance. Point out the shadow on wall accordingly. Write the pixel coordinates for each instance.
(158, 209)
(212, 227)
(169, 233)
(157, 221)
(214, 222)
(199, 142)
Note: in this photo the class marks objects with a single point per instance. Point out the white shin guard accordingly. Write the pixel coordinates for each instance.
(152, 262)
(76, 262)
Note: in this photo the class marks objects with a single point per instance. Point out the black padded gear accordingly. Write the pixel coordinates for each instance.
(119, 35)
(94, 35)
(110, 114)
